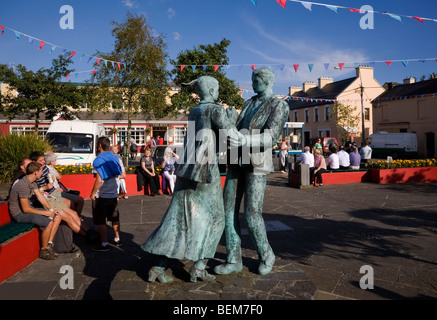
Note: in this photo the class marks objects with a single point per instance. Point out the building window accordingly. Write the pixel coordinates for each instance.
(108, 133)
(295, 116)
(23, 130)
(179, 135)
(316, 114)
(307, 115)
(327, 113)
(366, 114)
(137, 133)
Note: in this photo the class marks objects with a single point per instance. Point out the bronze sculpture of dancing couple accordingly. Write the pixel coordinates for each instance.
(200, 210)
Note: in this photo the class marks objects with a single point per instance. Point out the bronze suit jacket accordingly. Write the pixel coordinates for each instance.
(265, 129)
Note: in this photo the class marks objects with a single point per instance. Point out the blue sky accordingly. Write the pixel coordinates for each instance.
(265, 34)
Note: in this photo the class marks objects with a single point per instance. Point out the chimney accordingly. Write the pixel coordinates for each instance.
(308, 85)
(324, 81)
(365, 72)
(410, 80)
(293, 90)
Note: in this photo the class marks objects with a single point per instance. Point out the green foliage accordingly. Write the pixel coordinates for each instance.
(14, 147)
(344, 116)
(140, 86)
(204, 55)
(40, 93)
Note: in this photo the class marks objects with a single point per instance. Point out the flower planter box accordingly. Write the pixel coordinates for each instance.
(403, 175)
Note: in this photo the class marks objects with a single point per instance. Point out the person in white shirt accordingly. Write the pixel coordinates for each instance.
(366, 154)
(307, 158)
(343, 158)
(333, 160)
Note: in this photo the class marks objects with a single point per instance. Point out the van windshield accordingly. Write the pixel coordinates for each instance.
(71, 142)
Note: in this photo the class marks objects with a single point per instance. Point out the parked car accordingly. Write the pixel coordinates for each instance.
(326, 143)
(158, 153)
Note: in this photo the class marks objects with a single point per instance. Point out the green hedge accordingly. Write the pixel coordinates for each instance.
(14, 147)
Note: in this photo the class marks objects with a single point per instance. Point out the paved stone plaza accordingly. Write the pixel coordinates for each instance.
(321, 238)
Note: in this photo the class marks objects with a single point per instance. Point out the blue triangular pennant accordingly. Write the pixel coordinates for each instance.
(333, 8)
(310, 66)
(326, 66)
(405, 63)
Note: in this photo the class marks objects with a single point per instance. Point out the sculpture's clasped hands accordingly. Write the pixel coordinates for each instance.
(236, 139)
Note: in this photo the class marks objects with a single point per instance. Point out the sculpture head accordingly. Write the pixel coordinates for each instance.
(206, 87)
(263, 80)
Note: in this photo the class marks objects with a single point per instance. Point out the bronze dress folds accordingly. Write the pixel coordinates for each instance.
(194, 222)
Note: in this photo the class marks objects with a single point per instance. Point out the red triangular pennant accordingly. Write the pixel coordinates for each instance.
(72, 54)
(3, 29)
(419, 19)
(388, 63)
(354, 10)
(253, 66)
(67, 75)
(94, 72)
(282, 2)
(182, 67)
(118, 64)
(296, 66)
(341, 65)
(215, 68)
(41, 44)
(98, 61)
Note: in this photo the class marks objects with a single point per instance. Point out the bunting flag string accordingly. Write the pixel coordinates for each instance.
(308, 99)
(76, 74)
(308, 5)
(295, 66)
(65, 51)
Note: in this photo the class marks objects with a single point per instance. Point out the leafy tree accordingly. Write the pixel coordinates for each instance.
(40, 93)
(140, 84)
(208, 56)
(428, 77)
(344, 118)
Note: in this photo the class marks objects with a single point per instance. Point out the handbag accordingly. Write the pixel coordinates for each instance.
(65, 189)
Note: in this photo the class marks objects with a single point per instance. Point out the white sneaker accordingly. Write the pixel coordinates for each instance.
(126, 197)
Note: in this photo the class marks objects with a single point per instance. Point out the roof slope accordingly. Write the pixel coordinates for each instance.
(413, 89)
(329, 92)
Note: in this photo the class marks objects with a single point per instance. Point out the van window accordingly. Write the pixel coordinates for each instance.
(71, 142)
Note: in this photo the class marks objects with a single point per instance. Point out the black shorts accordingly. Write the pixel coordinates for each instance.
(105, 208)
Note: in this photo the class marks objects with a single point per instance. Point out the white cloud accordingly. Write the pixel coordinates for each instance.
(171, 13)
(129, 4)
(177, 36)
(292, 50)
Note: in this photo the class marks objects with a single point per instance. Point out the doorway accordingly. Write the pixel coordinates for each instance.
(430, 145)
